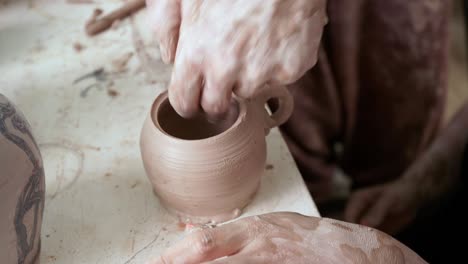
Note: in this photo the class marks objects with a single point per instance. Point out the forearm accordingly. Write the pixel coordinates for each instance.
(437, 171)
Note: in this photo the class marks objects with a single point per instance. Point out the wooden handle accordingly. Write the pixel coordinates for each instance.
(96, 26)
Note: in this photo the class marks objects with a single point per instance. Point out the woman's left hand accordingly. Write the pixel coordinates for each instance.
(288, 238)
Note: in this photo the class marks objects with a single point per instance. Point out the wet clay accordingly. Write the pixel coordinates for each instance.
(298, 239)
(22, 188)
(197, 127)
(205, 171)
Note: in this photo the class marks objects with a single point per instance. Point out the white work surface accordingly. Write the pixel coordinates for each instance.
(100, 207)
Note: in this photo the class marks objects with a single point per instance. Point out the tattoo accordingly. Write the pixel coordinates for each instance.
(32, 196)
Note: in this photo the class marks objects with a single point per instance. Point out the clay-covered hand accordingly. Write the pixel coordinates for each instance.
(224, 46)
(288, 238)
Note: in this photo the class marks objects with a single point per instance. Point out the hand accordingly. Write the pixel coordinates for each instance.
(391, 207)
(387, 207)
(223, 46)
(288, 238)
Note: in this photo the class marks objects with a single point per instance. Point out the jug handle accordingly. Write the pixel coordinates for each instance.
(285, 105)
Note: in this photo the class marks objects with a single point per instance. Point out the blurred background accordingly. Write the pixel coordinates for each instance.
(458, 77)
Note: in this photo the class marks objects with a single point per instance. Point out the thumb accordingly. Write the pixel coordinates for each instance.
(207, 245)
(165, 18)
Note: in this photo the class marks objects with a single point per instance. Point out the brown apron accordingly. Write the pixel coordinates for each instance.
(378, 90)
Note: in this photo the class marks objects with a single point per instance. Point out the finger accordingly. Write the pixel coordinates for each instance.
(165, 18)
(358, 203)
(207, 245)
(254, 78)
(185, 89)
(235, 259)
(217, 93)
(376, 215)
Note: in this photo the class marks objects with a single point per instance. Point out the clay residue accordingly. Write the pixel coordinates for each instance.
(51, 258)
(112, 93)
(95, 26)
(94, 16)
(98, 74)
(91, 147)
(78, 47)
(341, 226)
(283, 219)
(354, 254)
(38, 48)
(120, 64)
(190, 226)
(269, 167)
(135, 185)
(116, 24)
(181, 226)
(382, 255)
(100, 77)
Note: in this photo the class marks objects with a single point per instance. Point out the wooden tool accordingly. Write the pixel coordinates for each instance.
(97, 25)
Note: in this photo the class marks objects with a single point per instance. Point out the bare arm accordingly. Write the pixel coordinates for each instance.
(393, 205)
(441, 163)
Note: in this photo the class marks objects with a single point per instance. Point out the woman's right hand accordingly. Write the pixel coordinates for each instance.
(220, 47)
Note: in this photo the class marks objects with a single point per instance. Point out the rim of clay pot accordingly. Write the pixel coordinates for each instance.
(163, 98)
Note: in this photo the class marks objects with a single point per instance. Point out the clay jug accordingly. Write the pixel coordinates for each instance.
(206, 171)
(22, 188)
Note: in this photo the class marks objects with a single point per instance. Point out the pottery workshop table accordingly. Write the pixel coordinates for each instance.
(99, 206)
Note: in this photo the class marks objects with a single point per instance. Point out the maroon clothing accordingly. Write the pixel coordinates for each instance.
(378, 88)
